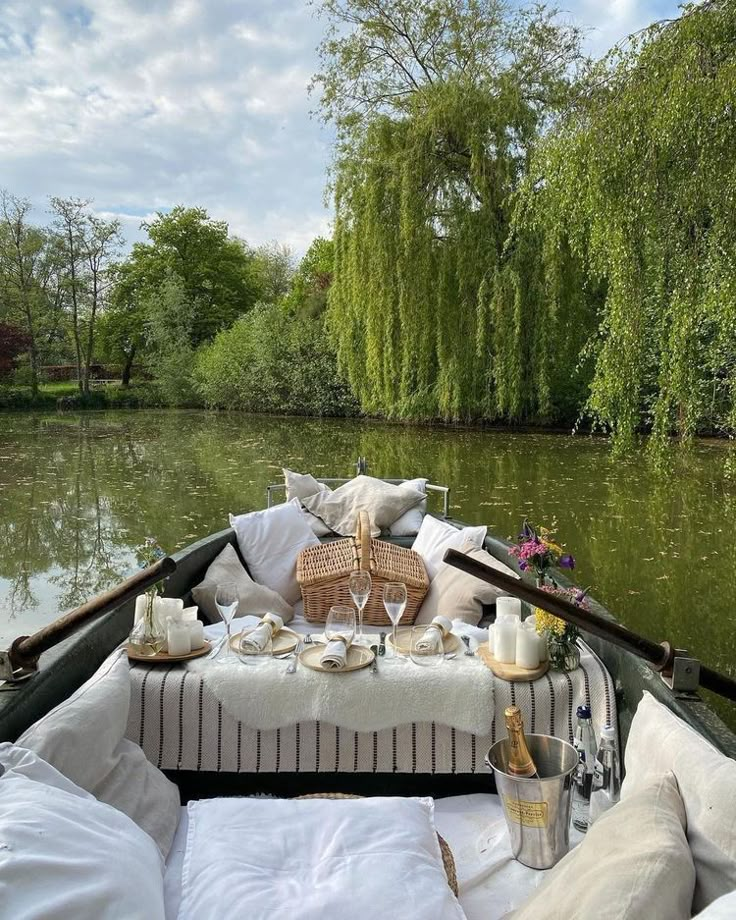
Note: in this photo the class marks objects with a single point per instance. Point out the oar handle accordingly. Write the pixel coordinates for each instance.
(26, 650)
(659, 656)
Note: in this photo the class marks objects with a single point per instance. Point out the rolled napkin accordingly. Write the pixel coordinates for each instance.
(434, 636)
(335, 655)
(257, 640)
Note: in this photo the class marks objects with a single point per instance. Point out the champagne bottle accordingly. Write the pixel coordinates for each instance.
(520, 760)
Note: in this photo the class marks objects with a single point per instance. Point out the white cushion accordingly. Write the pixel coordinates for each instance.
(270, 542)
(658, 742)
(84, 739)
(252, 598)
(366, 859)
(409, 523)
(435, 537)
(384, 502)
(66, 856)
(722, 909)
(24, 762)
(634, 864)
(459, 596)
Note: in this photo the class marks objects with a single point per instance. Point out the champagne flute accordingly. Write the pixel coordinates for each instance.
(360, 589)
(394, 600)
(226, 599)
(340, 624)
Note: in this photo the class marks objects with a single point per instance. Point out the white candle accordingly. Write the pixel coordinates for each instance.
(177, 635)
(196, 633)
(508, 606)
(527, 648)
(504, 640)
(490, 638)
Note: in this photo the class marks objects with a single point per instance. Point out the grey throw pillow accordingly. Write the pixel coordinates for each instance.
(253, 598)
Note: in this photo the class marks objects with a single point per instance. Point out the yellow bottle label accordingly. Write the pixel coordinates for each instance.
(528, 814)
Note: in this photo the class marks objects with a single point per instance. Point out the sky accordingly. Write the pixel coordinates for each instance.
(141, 105)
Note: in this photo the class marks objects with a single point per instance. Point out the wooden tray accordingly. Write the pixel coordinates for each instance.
(285, 641)
(510, 671)
(165, 658)
(358, 657)
(403, 641)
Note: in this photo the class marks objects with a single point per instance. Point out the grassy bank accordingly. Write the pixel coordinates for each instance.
(66, 396)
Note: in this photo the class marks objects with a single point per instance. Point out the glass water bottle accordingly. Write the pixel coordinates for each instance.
(585, 745)
(606, 776)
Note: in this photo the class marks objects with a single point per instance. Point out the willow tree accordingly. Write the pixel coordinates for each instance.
(437, 105)
(638, 184)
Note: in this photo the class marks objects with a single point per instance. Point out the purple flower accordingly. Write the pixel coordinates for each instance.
(567, 561)
(523, 566)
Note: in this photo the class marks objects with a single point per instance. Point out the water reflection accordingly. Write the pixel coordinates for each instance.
(77, 494)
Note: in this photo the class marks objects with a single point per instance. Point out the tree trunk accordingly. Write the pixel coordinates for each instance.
(127, 368)
(75, 311)
(90, 338)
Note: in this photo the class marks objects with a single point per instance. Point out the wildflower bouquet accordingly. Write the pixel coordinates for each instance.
(148, 635)
(537, 552)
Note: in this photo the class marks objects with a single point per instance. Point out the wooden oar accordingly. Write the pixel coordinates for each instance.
(659, 655)
(25, 650)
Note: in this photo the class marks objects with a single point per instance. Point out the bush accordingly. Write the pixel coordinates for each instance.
(273, 361)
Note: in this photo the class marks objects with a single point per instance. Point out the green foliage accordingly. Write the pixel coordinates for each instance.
(311, 282)
(636, 189)
(170, 319)
(438, 105)
(216, 272)
(270, 361)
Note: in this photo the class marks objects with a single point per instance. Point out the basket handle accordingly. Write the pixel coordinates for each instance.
(363, 539)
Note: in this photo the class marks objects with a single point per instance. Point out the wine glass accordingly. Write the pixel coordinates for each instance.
(360, 589)
(394, 600)
(226, 599)
(428, 655)
(340, 624)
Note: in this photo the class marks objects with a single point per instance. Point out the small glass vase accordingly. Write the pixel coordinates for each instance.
(148, 636)
(564, 654)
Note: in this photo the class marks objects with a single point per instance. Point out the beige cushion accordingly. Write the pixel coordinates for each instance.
(384, 502)
(634, 864)
(302, 485)
(252, 598)
(658, 742)
(460, 596)
(84, 738)
(409, 523)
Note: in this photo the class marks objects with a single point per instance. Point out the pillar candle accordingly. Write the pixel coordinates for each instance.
(508, 606)
(504, 641)
(196, 633)
(177, 635)
(490, 638)
(527, 647)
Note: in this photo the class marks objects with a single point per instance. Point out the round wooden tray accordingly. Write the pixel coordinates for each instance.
(165, 658)
(285, 641)
(403, 641)
(358, 657)
(510, 671)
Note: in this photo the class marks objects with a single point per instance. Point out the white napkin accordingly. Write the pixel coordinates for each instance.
(257, 640)
(335, 655)
(433, 638)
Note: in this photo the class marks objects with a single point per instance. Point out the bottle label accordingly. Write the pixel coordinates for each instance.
(528, 814)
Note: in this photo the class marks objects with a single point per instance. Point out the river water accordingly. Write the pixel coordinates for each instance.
(78, 493)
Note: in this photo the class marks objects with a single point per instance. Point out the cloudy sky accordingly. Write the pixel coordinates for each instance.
(145, 104)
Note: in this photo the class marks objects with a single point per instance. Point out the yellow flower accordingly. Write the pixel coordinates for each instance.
(548, 623)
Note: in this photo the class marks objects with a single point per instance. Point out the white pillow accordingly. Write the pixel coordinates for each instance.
(634, 864)
(84, 739)
(319, 528)
(24, 762)
(384, 502)
(63, 855)
(660, 742)
(270, 542)
(722, 909)
(410, 522)
(435, 537)
(252, 598)
(367, 859)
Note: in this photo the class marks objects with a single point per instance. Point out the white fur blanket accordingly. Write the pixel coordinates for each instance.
(457, 693)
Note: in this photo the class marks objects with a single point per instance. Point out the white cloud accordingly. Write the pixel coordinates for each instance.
(145, 104)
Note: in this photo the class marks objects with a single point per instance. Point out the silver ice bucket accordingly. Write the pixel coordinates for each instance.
(537, 810)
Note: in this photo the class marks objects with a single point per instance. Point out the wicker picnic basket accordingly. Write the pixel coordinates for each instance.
(323, 571)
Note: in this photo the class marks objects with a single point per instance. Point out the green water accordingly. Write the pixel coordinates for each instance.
(78, 493)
